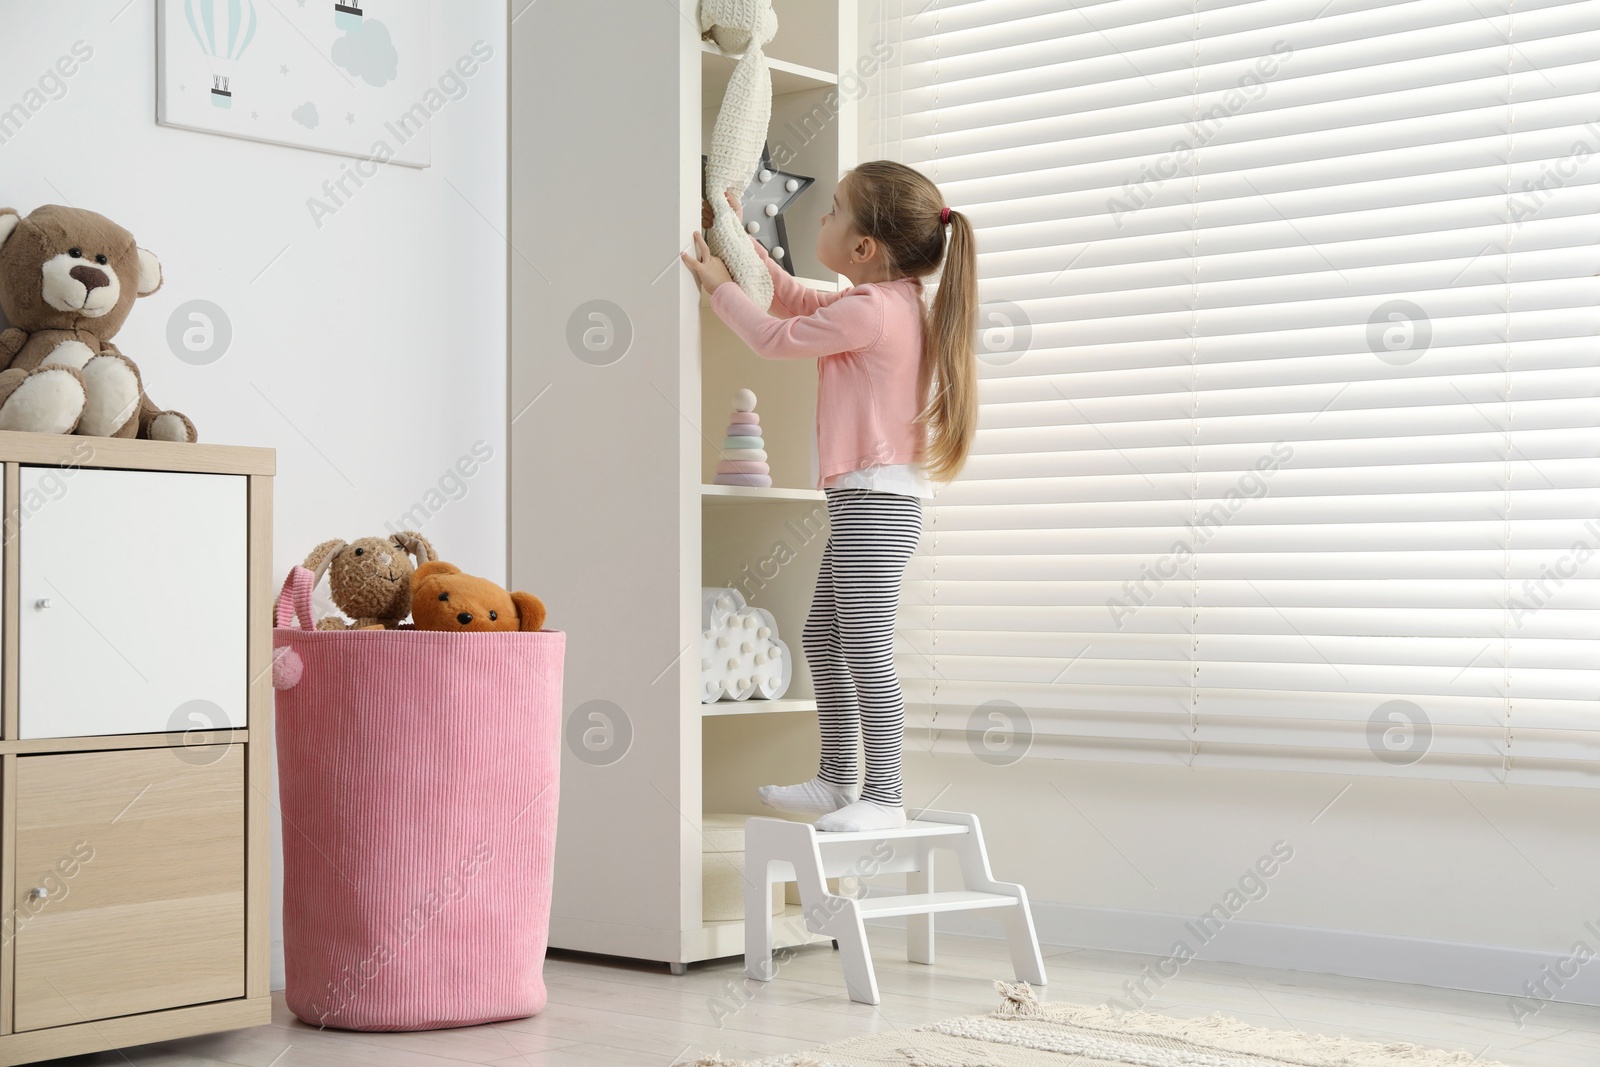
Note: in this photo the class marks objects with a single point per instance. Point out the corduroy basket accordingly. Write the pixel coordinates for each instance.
(418, 777)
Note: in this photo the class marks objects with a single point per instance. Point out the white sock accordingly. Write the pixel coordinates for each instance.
(813, 797)
(863, 815)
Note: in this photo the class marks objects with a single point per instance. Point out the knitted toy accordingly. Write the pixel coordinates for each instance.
(442, 598)
(68, 278)
(370, 579)
(740, 133)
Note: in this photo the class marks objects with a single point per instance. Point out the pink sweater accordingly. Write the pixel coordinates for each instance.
(867, 341)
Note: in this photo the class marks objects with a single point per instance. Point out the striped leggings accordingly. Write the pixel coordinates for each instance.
(849, 636)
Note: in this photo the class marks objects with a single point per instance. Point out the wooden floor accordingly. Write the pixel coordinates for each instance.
(605, 1012)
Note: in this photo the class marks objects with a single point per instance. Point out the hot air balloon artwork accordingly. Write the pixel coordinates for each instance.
(224, 29)
(347, 16)
(358, 81)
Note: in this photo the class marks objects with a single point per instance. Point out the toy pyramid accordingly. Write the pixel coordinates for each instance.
(743, 452)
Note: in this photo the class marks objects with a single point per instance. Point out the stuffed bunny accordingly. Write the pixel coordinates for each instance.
(739, 28)
(370, 579)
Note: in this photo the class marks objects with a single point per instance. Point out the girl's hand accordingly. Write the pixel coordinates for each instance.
(708, 270)
(705, 210)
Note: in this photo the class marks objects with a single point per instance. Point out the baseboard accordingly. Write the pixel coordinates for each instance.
(1355, 954)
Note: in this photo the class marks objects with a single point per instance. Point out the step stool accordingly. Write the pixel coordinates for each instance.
(777, 850)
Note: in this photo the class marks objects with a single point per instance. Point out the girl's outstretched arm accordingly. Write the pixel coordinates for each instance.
(789, 297)
(852, 321)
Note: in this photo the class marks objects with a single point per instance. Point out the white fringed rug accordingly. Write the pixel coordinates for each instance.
(1024, 1033)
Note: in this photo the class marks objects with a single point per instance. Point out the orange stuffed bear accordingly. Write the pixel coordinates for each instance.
(442, 598)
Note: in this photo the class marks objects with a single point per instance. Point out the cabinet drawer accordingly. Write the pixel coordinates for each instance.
(133, 588)
(141, 856)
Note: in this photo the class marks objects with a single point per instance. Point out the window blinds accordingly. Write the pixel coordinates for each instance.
(1290, 440)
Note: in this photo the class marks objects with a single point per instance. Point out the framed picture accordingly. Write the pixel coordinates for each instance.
(351, 78)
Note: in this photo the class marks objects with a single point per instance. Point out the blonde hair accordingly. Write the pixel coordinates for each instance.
(899, 208)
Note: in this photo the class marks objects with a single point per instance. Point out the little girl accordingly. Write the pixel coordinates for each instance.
(896, 406)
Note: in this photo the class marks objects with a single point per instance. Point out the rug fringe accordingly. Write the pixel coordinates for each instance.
(1218, 1032)
(801, 1060)
(1017, 1000)
(1233, 1035)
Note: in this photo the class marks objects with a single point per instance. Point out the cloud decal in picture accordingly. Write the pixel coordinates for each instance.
(306, 115)
(223, 29)
(368, 52)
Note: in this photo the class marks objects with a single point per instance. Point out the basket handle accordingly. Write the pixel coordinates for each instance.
(296, 600)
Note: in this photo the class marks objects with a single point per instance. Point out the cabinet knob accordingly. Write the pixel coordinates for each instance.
(42, 603)
(38, 892)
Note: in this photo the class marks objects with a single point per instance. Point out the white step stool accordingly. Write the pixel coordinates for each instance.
(777, 850)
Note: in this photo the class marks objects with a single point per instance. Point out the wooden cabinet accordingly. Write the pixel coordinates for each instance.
(130, 882)
(135, 739)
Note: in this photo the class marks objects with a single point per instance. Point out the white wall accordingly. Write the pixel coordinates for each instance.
(1464, 885)
(369, 351)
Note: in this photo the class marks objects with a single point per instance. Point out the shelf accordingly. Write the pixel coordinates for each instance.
(721, 496)
(716, 69)
(758, 707)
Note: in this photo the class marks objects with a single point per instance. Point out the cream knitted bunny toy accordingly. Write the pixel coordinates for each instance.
(739, 26)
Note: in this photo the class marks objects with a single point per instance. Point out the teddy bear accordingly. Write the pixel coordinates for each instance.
(68, 278)
(370, 578)
(442, 598)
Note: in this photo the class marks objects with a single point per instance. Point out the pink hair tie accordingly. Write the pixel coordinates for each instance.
(944, 216)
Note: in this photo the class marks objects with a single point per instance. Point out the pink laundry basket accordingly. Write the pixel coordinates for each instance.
(418, 779)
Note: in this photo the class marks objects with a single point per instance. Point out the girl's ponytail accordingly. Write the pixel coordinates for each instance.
(904, 211)
(949, 365)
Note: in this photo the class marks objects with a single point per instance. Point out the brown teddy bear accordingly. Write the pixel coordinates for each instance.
(370, 579)
(442, 598)
(68, 278)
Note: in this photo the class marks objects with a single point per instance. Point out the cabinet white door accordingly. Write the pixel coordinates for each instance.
(132, 613)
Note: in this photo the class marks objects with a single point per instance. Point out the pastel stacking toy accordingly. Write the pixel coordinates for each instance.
(743, 452)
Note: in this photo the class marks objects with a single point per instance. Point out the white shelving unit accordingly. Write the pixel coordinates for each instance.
(615, 521)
